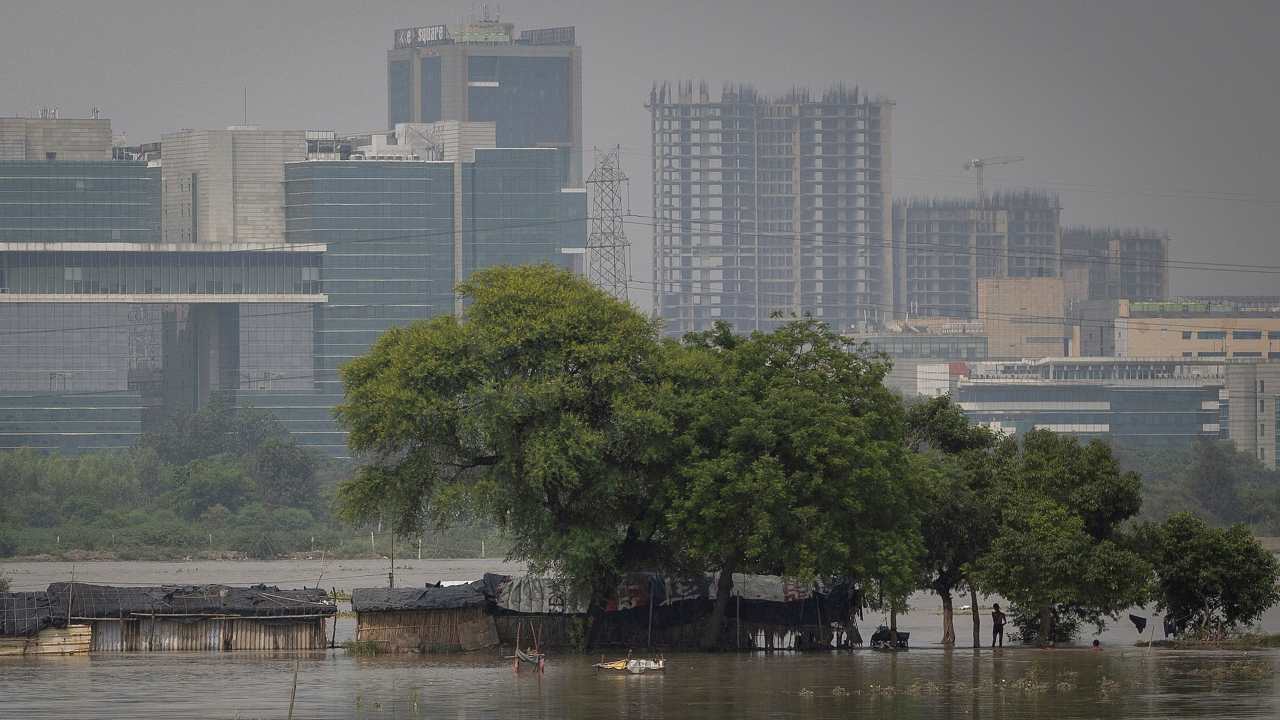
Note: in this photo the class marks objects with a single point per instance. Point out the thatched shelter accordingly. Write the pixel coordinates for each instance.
(429, 619)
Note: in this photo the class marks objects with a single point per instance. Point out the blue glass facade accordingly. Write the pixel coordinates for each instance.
(391, 235)
(1128, 414)
(388, 227)
(106, 332)
(399, 92)
(71, 422)
(429, 71)
(512, 209)
(106, 201)
(530, 100)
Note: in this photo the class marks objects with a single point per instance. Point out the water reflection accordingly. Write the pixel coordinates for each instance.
(1013, 684)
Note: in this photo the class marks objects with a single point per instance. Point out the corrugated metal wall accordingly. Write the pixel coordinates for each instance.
(159, 634)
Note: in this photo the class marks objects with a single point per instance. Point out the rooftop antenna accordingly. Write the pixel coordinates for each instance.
(246, 105)
(94, 111)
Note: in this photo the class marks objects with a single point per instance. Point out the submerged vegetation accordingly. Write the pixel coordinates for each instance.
(558, 413)
(363, 648)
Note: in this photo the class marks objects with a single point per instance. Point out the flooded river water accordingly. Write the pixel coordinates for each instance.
(925, 682)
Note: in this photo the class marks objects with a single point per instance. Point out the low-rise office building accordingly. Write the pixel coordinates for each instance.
(1023, 317)
(1213, 328)
(1140, 402)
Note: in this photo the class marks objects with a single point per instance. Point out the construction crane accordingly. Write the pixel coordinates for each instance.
(979, 163)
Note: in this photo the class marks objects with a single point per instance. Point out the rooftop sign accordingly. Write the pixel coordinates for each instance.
(548, 36)
(420, 36)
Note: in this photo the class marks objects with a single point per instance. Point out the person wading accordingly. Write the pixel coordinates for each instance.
(998, 620)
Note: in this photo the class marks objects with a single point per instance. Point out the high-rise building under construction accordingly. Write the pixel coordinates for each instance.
(942, 247)
(768, 209)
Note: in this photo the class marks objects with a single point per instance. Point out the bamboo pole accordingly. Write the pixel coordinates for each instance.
(294, 692)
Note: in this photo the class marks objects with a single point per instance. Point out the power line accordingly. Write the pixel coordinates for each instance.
(1063, 185)
(860, 240)
(1023, 318)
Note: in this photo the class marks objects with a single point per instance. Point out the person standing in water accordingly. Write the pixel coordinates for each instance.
(998, 620)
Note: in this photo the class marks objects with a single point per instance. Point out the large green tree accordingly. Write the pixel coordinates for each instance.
(1059, 548)
(788, 460)
(959, 510)
(537, 407)
(1210, 578)
(284, 473)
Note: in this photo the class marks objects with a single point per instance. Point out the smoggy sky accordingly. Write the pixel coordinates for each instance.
(1157, 113)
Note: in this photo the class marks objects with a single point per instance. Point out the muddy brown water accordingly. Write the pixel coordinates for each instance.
(926, 682)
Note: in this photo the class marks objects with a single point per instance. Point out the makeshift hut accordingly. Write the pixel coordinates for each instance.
(427, 619)
(195, 617)
(652, 610)
(28, 627)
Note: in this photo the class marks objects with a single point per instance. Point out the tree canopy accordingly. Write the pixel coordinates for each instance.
(1210, 578)
(537, 408)
(959, 512)
(1058, 549)
(789, 459)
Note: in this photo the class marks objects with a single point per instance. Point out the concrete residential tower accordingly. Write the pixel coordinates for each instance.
(768, 209)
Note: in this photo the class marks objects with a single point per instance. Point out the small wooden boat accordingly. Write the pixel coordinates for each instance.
(633, 666)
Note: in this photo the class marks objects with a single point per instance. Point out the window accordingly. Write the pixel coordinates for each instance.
(1246, 354)
(51, 156)
(1246, 334)
(1186, 334)
(1212, 335)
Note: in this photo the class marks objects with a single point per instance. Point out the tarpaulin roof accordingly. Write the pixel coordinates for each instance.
(535, 594)
(24, 613)
(423, 598)
(82, 600)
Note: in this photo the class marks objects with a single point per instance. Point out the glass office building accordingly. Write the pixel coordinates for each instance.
(399, 235)
(529, 84)
(1134, 402)
(106, 331)
(87, 201)
(388, 230)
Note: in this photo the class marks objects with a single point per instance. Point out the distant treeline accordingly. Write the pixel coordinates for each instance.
(225, 480)
(1209, 477)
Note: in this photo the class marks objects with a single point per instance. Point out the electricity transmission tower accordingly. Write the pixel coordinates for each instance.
(607, 245)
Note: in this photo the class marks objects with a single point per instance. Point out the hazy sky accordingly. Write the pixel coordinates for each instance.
(1155, 113)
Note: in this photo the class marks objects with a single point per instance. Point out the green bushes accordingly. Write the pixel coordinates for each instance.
(224, 479)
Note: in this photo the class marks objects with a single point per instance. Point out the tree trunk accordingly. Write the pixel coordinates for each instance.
(948, 619)
(977, 618)
(711, 636)
(893, 625)
(1046, 626)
